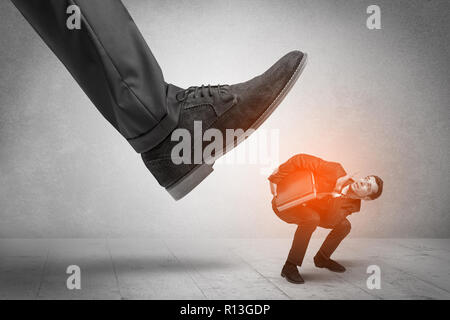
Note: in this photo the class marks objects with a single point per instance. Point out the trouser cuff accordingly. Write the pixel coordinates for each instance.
(163, 129)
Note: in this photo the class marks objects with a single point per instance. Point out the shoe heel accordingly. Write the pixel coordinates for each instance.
(186, 184)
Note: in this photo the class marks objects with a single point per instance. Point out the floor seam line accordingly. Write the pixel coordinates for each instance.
(414, 250)
(41, 279)
(418, 278)
(190, 276)
(267, 279)
(361, 288)
(114, 269)
(413, 275)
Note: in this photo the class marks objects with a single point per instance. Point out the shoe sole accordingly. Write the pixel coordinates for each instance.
(289, 280)
(193, 178)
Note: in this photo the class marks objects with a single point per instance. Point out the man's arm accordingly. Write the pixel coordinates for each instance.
(297, 162)
(342, 180)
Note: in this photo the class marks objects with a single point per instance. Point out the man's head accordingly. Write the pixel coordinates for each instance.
(368, 188)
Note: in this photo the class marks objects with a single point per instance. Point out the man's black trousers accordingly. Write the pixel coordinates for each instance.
(308, 220)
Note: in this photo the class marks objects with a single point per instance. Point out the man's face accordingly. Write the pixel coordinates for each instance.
(364, 187)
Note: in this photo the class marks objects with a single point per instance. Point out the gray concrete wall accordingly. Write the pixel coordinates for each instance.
(376, 101)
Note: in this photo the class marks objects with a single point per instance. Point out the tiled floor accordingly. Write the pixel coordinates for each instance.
(219, 269)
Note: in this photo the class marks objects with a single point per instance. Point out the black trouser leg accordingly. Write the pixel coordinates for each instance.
(307, 220)
(334, 238)
(112, 63)
(300, 244)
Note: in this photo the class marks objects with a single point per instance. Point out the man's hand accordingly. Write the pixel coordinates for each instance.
(341, 181)
(273, 189)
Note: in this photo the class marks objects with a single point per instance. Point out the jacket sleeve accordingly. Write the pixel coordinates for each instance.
(297, 162)
(332, 170)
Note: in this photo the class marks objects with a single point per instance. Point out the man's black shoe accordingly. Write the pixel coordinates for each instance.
(322, 262)
(238, 107)
(290, 272)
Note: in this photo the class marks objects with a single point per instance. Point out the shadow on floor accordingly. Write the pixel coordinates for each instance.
(312, 273)
(352, 263)
(93, 266)
(162, 264)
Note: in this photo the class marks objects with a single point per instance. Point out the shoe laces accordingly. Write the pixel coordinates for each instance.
(200, 91)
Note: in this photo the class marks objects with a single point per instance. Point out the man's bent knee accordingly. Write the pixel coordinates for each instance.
(345, 226)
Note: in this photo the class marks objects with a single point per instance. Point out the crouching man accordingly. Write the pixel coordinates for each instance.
(343, 197)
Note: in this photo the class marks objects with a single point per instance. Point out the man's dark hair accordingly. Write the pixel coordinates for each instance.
(380, 187)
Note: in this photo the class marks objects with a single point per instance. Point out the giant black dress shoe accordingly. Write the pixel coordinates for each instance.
(290, 272)
(323, 262)
(238, 107)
